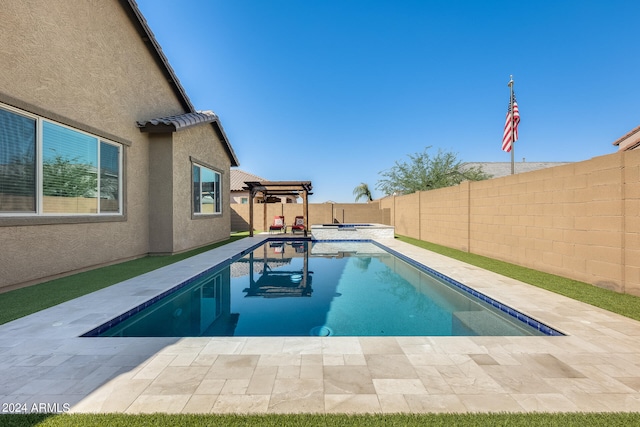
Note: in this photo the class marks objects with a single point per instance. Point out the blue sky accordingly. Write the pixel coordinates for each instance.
(336, 91)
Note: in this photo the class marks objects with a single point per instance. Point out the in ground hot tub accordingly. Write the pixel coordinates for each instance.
(352, 231)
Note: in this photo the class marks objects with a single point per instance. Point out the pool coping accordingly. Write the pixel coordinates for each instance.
(517, 315)
(593, 368)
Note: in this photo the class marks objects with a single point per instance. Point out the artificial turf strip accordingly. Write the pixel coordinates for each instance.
(623, 304)
(329, 420)
(22, 302)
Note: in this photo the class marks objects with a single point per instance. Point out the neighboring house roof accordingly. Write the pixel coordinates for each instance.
(140, 23)
(630, 141)
(238, 178)
(498, 169)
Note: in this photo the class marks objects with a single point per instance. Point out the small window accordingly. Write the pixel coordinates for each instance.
(244, 200)
(206, 191)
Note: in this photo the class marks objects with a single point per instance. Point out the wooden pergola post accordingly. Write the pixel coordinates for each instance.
(252, 194)
(265, 223)
(278, 188)
(305, 201)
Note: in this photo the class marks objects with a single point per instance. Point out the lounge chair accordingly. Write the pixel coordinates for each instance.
(278, 225)
(298, 225)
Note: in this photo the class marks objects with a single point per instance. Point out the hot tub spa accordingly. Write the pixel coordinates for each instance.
(352, 231)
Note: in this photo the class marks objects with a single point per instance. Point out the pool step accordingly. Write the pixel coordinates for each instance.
(481, 323)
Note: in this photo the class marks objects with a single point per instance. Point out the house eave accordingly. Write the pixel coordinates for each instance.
(147, 36)
(180, 122)
(628, 142)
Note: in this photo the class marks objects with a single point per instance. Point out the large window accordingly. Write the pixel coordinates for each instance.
(50, 169)
(17, 162)
(206, 191)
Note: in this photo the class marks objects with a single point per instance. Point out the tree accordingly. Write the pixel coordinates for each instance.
(424, 172)
(64, 177)
(362, 191)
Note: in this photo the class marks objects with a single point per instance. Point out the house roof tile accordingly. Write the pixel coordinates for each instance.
(238, 178)
(177, 122)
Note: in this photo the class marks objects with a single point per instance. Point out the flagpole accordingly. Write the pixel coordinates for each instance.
(513, 145)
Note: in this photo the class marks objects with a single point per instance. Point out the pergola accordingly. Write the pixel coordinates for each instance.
(278, 188)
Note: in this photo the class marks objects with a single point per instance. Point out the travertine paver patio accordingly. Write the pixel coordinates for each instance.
(596, 367)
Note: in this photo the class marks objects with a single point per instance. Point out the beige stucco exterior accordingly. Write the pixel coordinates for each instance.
(190, 231)
(85, 64)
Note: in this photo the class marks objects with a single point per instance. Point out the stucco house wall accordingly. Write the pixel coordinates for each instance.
(85, 64)
(189, 231)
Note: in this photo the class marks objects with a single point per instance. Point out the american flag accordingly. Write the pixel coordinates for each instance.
(511, 126)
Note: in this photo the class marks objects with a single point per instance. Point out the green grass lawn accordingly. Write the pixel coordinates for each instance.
(21, 302)
(300, 420)
(624, 304)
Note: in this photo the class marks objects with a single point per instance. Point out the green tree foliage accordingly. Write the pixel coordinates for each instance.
(362, 192)
(424, 172)
(65, 177)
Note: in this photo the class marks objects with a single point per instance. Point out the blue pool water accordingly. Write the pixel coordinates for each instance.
(332, 288)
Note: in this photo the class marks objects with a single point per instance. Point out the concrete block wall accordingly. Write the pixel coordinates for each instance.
(444, 216)
(565, 220)
(319, 213)
(353, 213)
(578, 220)
(387, 206)
(631, 237)
(407, 218)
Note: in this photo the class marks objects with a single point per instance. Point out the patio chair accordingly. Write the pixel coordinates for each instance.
(278, 224)
(298, 225)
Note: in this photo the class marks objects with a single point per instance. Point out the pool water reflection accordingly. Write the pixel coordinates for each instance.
(317, 288)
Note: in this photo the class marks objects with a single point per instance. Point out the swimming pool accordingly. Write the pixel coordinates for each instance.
(321, 288)
(352, 231)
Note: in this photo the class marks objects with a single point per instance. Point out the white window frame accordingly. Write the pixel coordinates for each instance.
(39, 170)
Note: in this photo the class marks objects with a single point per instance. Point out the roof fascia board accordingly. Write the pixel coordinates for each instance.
(138, 20)
(627, 145)
(159, 128)
(146, 35)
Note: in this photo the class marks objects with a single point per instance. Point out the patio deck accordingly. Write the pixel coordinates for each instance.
(596, 367)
